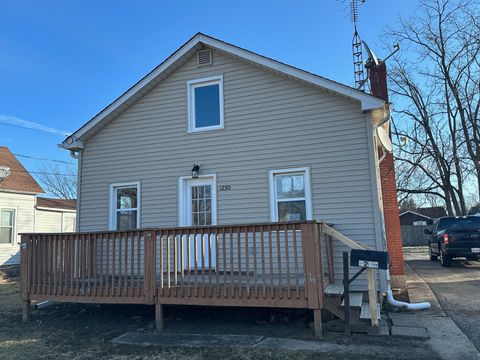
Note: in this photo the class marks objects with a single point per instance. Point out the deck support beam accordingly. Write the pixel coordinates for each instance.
(158, 317)
(26, 307)
(317, 322)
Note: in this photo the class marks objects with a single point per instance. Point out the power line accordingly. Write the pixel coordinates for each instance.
(45, 159)
(27, 128)
(41, 172)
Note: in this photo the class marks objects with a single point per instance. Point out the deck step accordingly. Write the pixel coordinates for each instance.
(355, 299)
(334, 289)
(365, 311)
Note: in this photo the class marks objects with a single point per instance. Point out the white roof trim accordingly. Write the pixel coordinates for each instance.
(413, 212)
(367, 101)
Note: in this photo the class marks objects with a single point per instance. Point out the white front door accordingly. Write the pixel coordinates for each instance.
(199, 209)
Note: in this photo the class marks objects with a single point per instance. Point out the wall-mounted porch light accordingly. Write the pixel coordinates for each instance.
(195, 171)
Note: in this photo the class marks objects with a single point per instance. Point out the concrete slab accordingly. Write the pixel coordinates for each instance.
(409, 331)
(403, 319)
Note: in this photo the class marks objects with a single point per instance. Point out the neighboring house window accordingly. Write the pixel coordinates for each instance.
(205, 104)
(419, 223)
(125, 206)
(290, 197)
(6, 226)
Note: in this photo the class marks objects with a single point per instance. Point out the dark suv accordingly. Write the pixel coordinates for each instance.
(454, 237)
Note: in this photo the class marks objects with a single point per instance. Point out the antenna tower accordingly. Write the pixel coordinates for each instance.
(358, 70)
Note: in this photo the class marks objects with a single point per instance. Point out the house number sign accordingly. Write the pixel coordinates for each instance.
(224, 188)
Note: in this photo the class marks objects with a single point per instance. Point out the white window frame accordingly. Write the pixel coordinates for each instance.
(113, 202)
(273, 191)
(13, 240)
(191, 86)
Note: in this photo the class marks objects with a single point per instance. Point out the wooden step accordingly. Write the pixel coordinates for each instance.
(355, 299)
(365, 311)
(334, 289)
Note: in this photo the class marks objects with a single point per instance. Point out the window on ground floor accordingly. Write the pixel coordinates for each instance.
(125, 206)
(7, 217)
(290, 197)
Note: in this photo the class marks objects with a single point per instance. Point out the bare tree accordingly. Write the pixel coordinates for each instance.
(60, 181)
(437, 92)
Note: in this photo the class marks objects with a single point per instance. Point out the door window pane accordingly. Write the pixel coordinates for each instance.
(201, 205)
(207, 106)
(291, 210)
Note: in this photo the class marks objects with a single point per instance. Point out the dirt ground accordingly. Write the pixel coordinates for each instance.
(79, 331)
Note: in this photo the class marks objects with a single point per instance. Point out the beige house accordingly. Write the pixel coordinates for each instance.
(22, 211)
(217, 134)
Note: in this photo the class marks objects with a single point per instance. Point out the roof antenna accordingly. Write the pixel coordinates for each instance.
(358, 69)
(373, 61)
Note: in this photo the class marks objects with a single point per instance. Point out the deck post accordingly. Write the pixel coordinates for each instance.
(317, 322)
(372, 297)
(158, 316)
(26, 307)
(24, 277)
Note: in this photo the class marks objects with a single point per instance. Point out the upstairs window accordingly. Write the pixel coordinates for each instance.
(205, 104)
(125, 206)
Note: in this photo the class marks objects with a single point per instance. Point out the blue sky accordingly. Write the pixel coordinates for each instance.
(61, 62)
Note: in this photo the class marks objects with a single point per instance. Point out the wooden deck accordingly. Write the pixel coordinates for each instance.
(260, 265)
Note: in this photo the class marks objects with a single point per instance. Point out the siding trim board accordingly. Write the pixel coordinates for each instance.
(179, 57)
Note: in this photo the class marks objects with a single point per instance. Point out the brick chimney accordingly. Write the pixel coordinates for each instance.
(378, 86)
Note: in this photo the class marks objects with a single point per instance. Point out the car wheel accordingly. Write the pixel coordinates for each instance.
(445, 259)
(472, 257)
(432, 257)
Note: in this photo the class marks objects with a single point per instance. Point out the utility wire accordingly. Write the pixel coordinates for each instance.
(45, 159)
(41, 172)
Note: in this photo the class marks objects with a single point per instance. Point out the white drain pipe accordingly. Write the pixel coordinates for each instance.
(403, 304)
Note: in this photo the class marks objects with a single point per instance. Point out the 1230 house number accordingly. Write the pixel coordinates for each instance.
(224, 188)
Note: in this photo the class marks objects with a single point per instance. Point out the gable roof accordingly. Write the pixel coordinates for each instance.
(19, 179)
(434, 212)
(181, 55)
(56, 203)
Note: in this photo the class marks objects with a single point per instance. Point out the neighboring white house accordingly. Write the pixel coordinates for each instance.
(274, 143)
(21, 211)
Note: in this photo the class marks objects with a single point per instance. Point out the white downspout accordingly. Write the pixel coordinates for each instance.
(390, 299)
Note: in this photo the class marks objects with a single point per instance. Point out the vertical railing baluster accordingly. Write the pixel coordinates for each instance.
(175, 263)
(195, 255)
(287, 260)
(262, 240)
(202, 244)
(255, 275)
(279, 255)
(217, 275)
(270, 256)
(168, 262)
(189, 261)
(239, 261)
(101, 275)
(247, 263)
(232, 279)
(132, 264)
(108, 268)
(224, 245)
(182, 260)
(295, 255)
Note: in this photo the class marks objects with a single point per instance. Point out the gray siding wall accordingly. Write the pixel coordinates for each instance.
(271, 122)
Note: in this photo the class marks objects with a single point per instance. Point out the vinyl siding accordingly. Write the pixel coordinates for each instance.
(271, 122)
(50, 221)
(23, 204)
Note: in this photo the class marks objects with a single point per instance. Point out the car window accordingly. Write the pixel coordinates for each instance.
(471, 223)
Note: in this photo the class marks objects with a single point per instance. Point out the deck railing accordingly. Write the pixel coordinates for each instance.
(264, 265)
